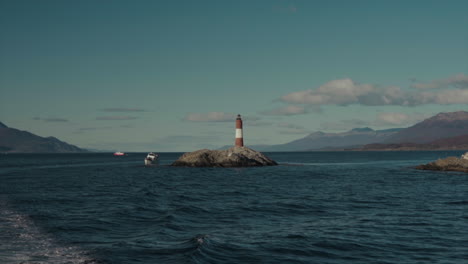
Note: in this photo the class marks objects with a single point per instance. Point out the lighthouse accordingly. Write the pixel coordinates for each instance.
(239, 138)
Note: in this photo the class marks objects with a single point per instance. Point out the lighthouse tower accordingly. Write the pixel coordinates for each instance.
(239, 138)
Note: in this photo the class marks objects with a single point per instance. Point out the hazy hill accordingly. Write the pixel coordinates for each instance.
(14, 140)
(442, 125)
(442, 131)
(320, 140)
(452, 143)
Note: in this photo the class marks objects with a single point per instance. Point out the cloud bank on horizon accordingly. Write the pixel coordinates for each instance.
(123, 109)
(453, 90)
(286, 111)
(116, 118)
(216, 117)
(458, 81)
(343, 92)
(51, 119)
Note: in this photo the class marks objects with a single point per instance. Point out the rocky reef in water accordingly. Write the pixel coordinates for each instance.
(447, 164)
(233, 157)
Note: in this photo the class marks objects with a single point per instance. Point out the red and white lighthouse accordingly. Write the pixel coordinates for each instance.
(239, 138)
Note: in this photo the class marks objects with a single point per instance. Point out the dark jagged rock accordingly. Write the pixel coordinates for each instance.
(233, 157)
(447, 164)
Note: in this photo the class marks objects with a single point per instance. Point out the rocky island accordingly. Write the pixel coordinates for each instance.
(233, 157)
(447, 164)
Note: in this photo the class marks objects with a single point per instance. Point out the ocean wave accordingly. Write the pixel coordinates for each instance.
(458, 203)
(24, 242)
(334, 213)
(327, 163)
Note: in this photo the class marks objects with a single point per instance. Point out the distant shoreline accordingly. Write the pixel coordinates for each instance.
(408, 147)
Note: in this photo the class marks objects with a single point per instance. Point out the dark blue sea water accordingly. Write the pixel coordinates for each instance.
(322, 207)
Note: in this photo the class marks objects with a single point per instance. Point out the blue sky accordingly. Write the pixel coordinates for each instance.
(171, 75)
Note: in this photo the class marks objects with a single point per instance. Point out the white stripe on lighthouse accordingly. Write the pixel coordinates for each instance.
(238, 132)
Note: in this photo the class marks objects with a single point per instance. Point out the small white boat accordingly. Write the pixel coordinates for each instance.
(151, 158)
(118, 153)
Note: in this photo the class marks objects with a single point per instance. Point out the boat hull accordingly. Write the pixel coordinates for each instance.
(150, 162)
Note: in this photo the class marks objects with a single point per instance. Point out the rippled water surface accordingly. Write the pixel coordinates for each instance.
(317, 207)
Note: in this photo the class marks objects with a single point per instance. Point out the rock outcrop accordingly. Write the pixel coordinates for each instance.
(447, 164)
(233, 157)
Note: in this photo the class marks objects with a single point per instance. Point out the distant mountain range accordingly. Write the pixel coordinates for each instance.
(442, 125)
(320, 140)
(452, 143)
(14, 140)
(442, 131)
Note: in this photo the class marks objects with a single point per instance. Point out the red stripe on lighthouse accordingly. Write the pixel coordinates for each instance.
(239, 137)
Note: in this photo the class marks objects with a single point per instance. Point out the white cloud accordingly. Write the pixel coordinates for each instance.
(333, 92)
(393, 118)
(122, 109)
(210, 117)
(289, 125)
(457, 81)
(187, 139)
(453, 96)
(286, 111)
(116, 117)
(91, 128)
(51, 119)
(87, 129)
(443, 97)
(216, 117)
(257, 123)
(292, 129)
(398, 119)
(347, 92)
(344, 125)
(55, 120)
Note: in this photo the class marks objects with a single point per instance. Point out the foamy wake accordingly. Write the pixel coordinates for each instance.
(21, 241)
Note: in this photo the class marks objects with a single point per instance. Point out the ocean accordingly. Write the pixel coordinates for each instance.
(316, 207)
